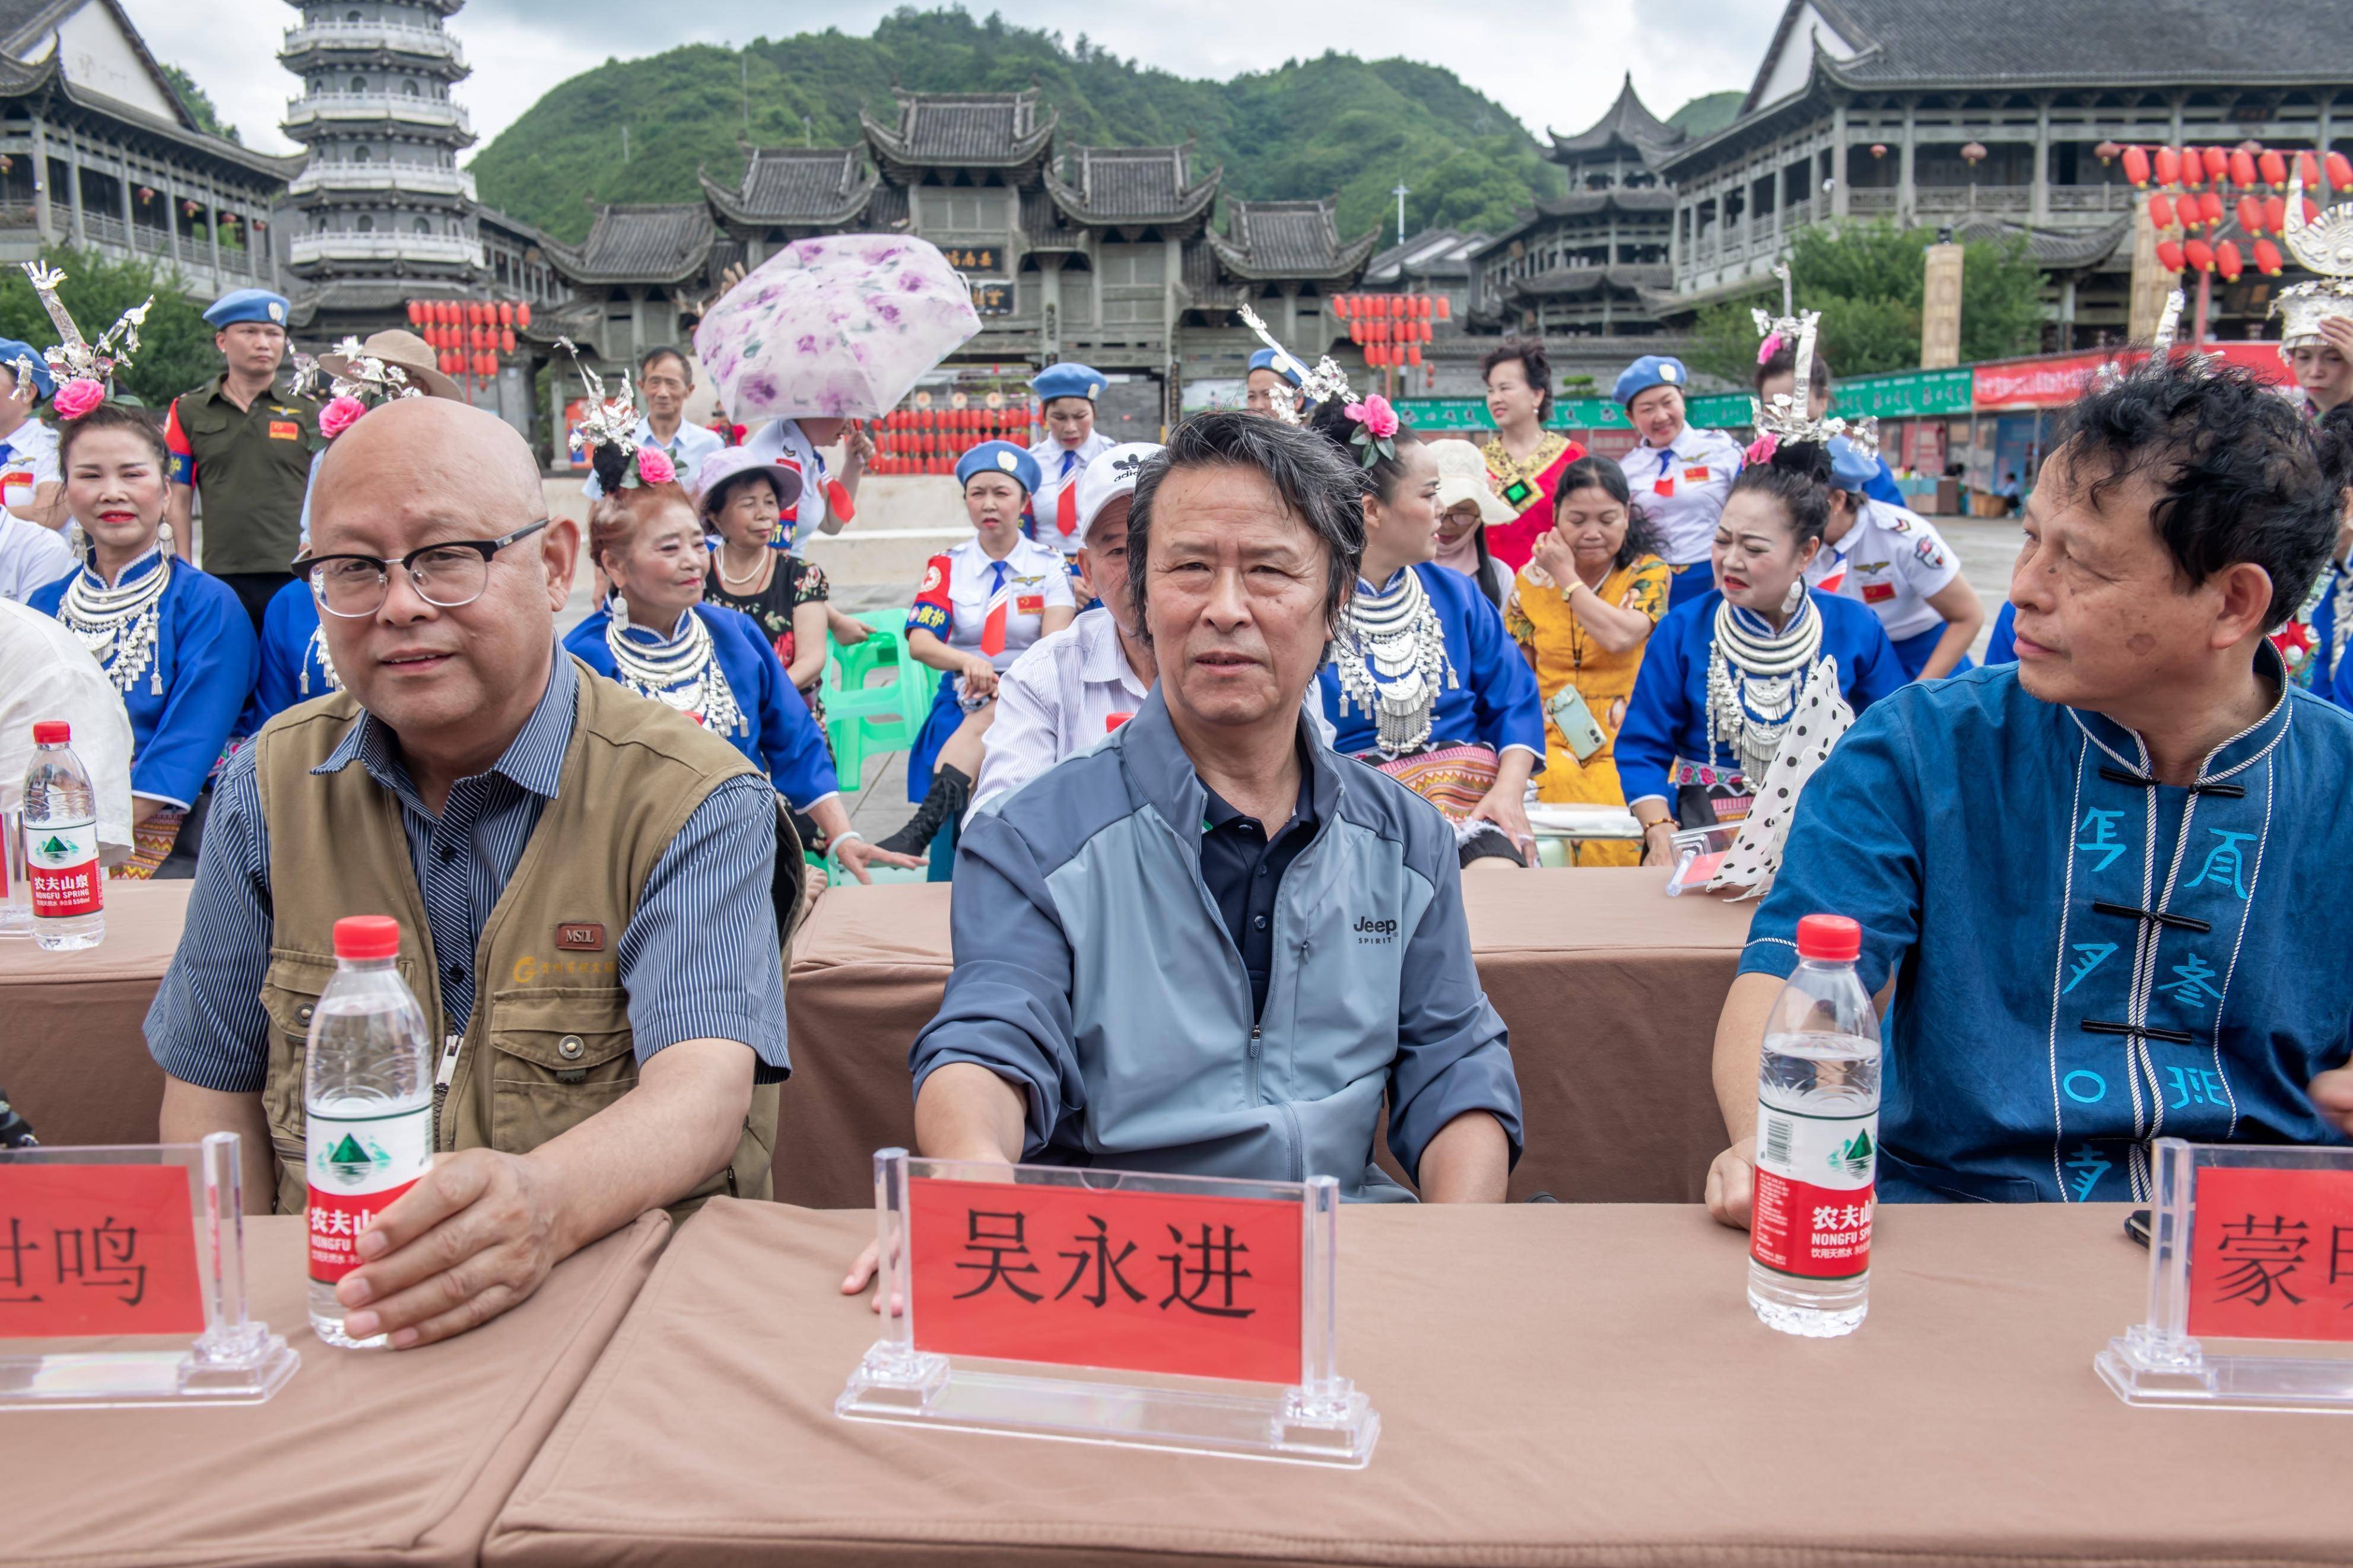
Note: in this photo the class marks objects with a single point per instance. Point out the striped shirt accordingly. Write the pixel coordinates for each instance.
(706, 904)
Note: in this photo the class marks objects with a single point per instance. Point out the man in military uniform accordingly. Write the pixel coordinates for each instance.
(247, 443)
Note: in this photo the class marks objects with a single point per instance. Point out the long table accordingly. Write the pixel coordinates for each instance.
(75, 1062)
(1611, 989)
(397, 1459)
(1556, 1384)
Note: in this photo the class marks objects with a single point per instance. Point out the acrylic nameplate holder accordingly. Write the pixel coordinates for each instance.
(1699, 853)
(1195, 1314)
(123, 1280)
(2250, 1282)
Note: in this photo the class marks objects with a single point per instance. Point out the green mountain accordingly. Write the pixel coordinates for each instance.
(1706, 115)
(1307, 129)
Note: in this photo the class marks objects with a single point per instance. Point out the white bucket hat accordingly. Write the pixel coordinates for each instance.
(1462, 476)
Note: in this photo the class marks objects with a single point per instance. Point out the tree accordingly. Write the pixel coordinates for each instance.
(1867, 279)
(176, 343)
(199, 104)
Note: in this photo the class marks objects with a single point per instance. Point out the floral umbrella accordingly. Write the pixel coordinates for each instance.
(838, 326)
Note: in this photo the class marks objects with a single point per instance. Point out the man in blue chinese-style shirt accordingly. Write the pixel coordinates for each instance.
(2104, 878)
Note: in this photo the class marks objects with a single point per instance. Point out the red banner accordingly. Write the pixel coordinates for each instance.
(1198, 1287)
(97, 1249)
(2054, 380)
(2272, 1255)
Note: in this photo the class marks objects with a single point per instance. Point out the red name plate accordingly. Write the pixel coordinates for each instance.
(97, 1249)
(2272, 1256)
(1200, 1287)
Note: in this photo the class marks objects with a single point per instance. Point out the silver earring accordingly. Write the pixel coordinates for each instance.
(1794, 597)
(618, 607)
(164, 537)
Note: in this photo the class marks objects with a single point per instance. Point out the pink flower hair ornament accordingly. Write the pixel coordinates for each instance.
(1376, 427)
(77, 397)
(1769, 348)
(339, 416)
(654, 467)
(1761, 449)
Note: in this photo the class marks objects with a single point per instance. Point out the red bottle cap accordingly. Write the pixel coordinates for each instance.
(51, 733)
(1830, 939)
(367, 936)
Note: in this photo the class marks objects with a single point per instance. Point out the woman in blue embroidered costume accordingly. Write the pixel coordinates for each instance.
(980, 606)
(295, 664)
(1424, 681)
(175, 641)
(656, 636)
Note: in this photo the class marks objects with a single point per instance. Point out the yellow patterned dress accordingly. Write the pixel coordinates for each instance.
(1562, 652)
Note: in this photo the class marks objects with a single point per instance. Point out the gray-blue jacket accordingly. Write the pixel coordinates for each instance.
(1093, 970)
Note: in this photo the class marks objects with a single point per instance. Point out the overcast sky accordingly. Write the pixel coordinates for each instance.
(1555, 63)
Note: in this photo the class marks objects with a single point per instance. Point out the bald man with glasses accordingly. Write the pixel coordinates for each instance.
(588, 887)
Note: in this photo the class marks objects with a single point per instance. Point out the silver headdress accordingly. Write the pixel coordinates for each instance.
(609, 422)
(1777, 330)
(1326, 381)
(364, 376)
(2324, 246)
(1784, 416)
(74, 357)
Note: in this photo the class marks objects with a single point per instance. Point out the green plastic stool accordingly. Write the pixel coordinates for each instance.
(864, 718)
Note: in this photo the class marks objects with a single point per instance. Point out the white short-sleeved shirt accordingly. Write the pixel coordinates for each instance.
(1682, 488)
(958, 586)
(31, 557)
(783, 438)
(1058, 468)
(31, 447)
(1890, 560)
(45, 673)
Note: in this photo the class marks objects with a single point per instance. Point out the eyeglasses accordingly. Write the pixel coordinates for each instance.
(448, 575)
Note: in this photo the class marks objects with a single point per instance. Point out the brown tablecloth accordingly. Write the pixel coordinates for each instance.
(71, 1055)
(1573, 1384)
(1611, 990)
(365, 1457)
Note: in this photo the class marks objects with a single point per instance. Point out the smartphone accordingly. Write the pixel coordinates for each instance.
(2137, 1225)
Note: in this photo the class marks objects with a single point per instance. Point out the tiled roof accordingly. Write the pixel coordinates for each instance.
(1043, 223)
(1205, 286)
(1433, 253)
(1290, 239)
(988, 129)
(1643, 202)
(2059, 249)
(807, 187)
(634, 244)
(1628, 123)
(1574, 282)
(1133, 184)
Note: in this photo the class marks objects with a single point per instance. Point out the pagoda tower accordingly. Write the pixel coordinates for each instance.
(387, 215)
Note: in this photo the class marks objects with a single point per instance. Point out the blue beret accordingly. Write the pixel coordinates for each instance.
(1650, 371)
(248, 305)
(11, 350)
(1001, 457)
(1851, 467)
(1281, 365)
(1067, 381)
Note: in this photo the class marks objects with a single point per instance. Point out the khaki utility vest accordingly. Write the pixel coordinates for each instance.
(548, 1044)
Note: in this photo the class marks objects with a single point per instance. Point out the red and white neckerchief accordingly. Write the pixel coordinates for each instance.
(1000, 605)
(1066, 504)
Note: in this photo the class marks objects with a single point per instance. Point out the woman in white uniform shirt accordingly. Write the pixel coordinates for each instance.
(980, 608)
(1896, 562)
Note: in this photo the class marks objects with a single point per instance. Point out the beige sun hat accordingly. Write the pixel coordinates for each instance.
(1462, 476)
(412, 353)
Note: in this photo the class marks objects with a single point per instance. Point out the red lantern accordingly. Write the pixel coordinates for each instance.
(2199, 254)
(1878, 149)
(506, 340)
(2275, 215)
(523, 313)
(2227, 262)
(2169, 256)
(2268, 261)
(1421, 306)
(2107, 153)
(2189, 168)
(1445, 308)
(2311, 210)
(2272, 167)
(2136, 160)
(2242, 167)
(1339, 307)
(506, 313)
(2217, 162)
(1413, 356)
(1973, 153)
(415, 313)
(2169, 166)
(2210, 209)
(2161, 209)
(2251, 215)
(2308, 168)
(2340, 170)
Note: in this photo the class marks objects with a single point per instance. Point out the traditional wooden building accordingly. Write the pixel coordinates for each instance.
(1109, 255)
(98, 152)
(1984, 117)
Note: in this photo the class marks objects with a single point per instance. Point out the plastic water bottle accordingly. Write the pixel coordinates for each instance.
(1817, 1142)
(69, 889)
(367, 1100)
